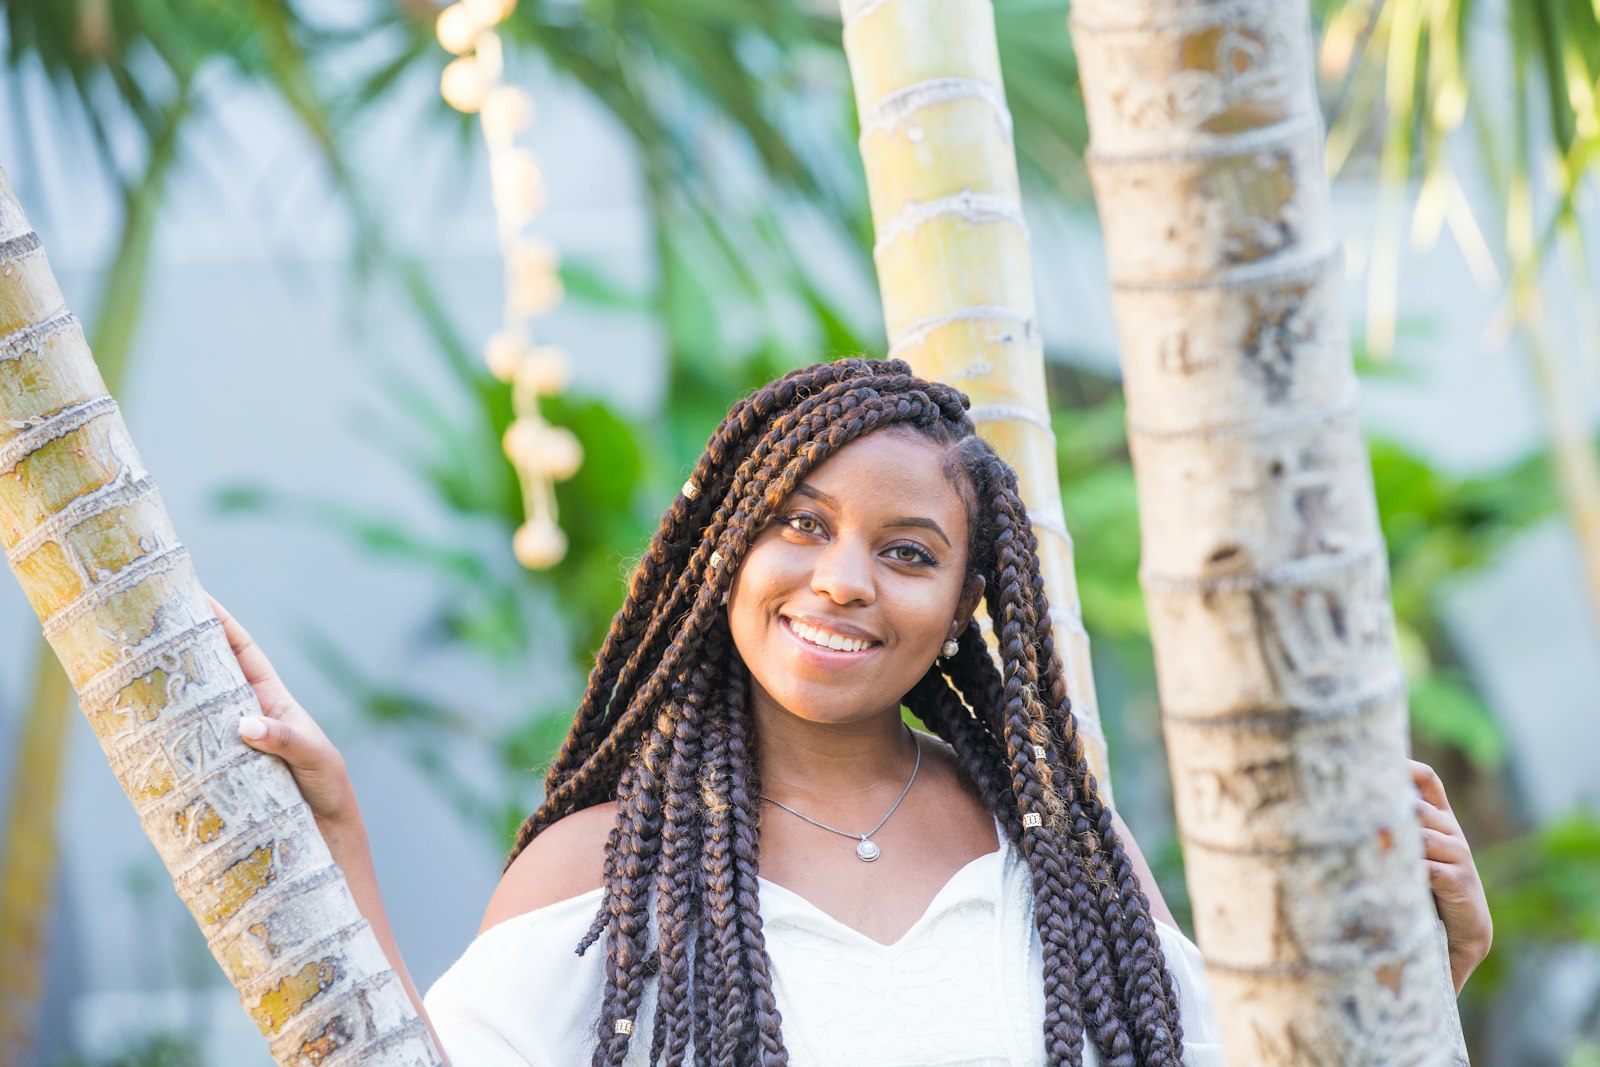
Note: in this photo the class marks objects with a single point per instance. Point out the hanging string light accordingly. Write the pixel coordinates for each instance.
(541, 453)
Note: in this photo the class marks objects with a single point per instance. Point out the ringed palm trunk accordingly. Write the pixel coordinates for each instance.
(1264, 569)
(28, 840)
(953, 262)
(89, 541)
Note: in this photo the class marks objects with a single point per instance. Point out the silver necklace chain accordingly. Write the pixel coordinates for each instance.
(866, 850)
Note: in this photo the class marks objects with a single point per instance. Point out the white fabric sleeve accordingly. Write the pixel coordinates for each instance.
(470, 1043)
(1202, 1038)
(520, 996)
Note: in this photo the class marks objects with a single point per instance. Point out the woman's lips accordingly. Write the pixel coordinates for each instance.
(824, 654)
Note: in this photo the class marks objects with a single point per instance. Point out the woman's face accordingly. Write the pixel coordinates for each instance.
(846, 596)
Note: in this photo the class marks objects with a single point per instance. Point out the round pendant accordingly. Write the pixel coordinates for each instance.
(867, 851)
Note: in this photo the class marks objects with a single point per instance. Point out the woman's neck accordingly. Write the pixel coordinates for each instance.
(831, 762)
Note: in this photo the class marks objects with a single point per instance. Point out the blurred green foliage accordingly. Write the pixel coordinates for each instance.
(1544, 897)
(1543, 887)
(159, 1050)
(1444, 97)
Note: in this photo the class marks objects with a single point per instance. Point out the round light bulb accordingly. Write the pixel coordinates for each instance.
(457, 29)
(544, 371)
(519, 187)
(559, 455)
(535, 285)
(490, 12)
(506, 111)
(491, 55)
(538, 293)
(539, 544)
(522, 441)
(503, 352)
(535, 254)
(463, 85)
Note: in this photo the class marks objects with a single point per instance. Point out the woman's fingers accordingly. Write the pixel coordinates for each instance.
(1445, 848)
(281, 739)
(1429, 784)
(316, 765)
(275, 699)
(285, 729)
(251, 659)
(258, 670)
(1452, 875)
(1435, 818)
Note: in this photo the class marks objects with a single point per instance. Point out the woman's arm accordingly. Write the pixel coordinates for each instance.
(288, 731)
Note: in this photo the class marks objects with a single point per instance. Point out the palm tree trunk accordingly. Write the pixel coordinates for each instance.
(1283, 699)
(953, 262)
(91, 545)
(29, 846)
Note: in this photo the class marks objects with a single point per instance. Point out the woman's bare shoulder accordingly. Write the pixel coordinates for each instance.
(565, 861)
(1141, 868)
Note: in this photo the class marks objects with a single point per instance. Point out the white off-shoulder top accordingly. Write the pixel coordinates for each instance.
(963, 986)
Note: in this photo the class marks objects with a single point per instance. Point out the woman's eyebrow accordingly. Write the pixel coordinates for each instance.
(828, 501)
(818, 495)
(926, 524)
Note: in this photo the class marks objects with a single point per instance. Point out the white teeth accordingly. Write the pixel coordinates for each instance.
(837, 642)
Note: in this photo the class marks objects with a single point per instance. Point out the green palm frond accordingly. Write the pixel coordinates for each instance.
(1427, 87)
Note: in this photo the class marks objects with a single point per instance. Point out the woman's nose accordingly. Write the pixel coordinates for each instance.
(843, 574)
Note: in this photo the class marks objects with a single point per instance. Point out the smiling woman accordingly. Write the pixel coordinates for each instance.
(741, 750)
(851, 589)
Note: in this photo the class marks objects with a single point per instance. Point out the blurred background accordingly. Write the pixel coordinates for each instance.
(282, 242)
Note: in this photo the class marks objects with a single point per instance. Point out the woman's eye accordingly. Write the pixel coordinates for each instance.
(910, 554)
(804, 523)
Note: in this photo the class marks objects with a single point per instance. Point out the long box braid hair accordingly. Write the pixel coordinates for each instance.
(664, 730)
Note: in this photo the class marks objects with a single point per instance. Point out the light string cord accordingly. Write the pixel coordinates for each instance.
(542, 454)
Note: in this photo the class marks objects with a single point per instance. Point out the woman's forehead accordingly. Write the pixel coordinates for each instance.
(884, 468)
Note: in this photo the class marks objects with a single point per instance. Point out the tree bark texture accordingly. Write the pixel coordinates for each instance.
(953, 262)
(86, 535)
(1264, 569)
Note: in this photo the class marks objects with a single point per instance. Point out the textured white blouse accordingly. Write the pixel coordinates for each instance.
(963, 986)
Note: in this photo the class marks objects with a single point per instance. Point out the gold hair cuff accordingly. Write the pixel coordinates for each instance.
(1032, 819)
(1040, 753)
(690, 489)
(715, 561)
(623, 1026)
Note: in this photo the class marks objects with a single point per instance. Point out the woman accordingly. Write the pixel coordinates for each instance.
(964, 897)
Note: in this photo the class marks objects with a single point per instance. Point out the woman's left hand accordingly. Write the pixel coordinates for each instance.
(1453, 877)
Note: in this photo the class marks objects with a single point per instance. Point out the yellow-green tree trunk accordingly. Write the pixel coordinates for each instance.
(28, 842)
(86, 535)
(1264, 569)
(953, 261)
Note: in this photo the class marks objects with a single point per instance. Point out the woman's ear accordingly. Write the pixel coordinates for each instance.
(971, 596)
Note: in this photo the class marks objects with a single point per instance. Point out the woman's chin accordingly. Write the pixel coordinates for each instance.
(829, 711)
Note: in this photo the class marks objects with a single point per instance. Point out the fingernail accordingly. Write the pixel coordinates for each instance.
(252, 728)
